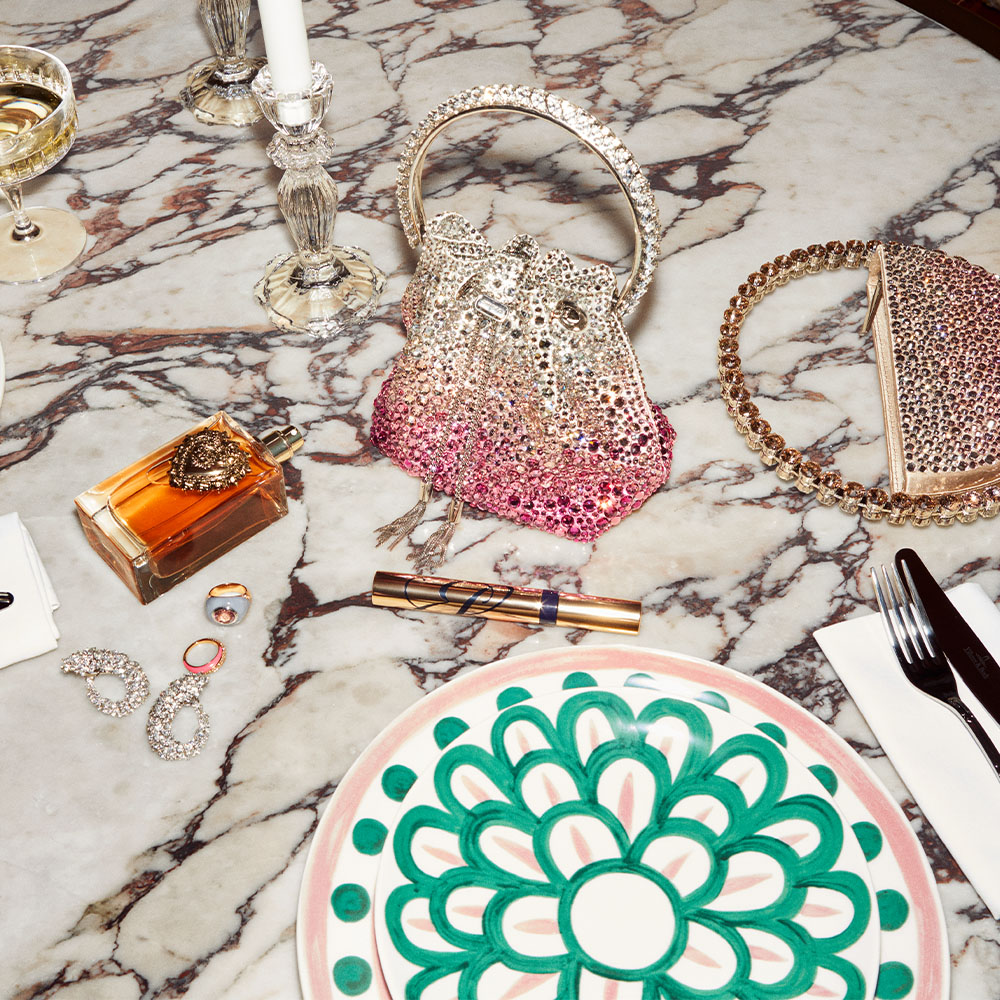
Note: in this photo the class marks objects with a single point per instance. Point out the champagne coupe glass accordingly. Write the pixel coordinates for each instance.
(37, 127)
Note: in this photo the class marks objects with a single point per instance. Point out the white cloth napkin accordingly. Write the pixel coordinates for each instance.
(933, 752)
(27, 628)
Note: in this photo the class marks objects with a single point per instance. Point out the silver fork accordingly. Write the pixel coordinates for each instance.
(913, 641)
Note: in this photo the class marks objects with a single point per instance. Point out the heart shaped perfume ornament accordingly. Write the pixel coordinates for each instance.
(208, 460)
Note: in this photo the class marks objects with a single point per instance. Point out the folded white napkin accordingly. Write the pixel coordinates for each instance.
(27, 628)
(933, 752)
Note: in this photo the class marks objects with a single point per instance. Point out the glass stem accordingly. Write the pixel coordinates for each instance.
(24, 228)
(227, 22)
(235, 70)
(307, 197)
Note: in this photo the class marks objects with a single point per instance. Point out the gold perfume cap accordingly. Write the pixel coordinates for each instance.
(282, 442)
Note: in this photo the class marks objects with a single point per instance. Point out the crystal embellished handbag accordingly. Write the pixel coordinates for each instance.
(936, 327)
(518, 391)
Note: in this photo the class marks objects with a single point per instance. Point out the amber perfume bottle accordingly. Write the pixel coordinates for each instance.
(166, 516)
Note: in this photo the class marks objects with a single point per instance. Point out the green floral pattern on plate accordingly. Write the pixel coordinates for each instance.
(624, 844)
(914, 959)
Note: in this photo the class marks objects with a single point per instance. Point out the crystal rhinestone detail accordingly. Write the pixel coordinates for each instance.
(180, 693)
(539, 103)
(542, 421)
(943, 344)
(920, 509)
(91, 663)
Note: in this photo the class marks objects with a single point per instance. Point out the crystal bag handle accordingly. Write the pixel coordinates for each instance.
(539, 104)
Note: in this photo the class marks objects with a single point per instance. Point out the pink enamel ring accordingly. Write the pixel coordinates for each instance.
(210, 665)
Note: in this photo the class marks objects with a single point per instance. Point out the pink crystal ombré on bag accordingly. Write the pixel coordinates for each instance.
(518, 391)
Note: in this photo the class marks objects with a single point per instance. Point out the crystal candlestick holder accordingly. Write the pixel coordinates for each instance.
(218, 90)
(322, 288)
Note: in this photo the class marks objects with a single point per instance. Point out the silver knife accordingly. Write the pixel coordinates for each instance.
(969, 658)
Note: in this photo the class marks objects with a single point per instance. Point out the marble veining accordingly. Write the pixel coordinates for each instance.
(762, 127)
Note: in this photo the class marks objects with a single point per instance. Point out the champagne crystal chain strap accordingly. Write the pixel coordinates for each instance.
(809, 477)
(536, 103)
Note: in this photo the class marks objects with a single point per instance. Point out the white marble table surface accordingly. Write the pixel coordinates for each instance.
(763, 127)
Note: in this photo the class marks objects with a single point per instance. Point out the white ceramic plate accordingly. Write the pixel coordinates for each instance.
(2, 373)
(335, 933)
(600, 843)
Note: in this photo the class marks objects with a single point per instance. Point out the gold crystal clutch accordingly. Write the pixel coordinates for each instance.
(936, 325)
(936, 328)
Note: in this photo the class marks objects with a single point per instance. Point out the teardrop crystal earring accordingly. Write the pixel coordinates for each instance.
(92, 663)
(183, 693)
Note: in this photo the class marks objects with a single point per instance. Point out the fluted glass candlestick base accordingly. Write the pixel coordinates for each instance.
(218, 90)
(218, 98)
(322, 288)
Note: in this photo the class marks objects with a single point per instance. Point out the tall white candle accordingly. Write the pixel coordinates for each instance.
(286, 45)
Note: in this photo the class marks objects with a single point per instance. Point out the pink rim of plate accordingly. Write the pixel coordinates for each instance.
(931, 977)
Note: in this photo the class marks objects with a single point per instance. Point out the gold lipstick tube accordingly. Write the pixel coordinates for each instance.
(507, 604)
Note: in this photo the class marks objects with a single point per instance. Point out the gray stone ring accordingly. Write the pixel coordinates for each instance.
(227, 604)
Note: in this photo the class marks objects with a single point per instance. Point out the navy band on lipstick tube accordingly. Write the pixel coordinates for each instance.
(550, 607)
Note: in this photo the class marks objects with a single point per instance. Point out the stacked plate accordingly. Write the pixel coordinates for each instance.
(613, 822)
